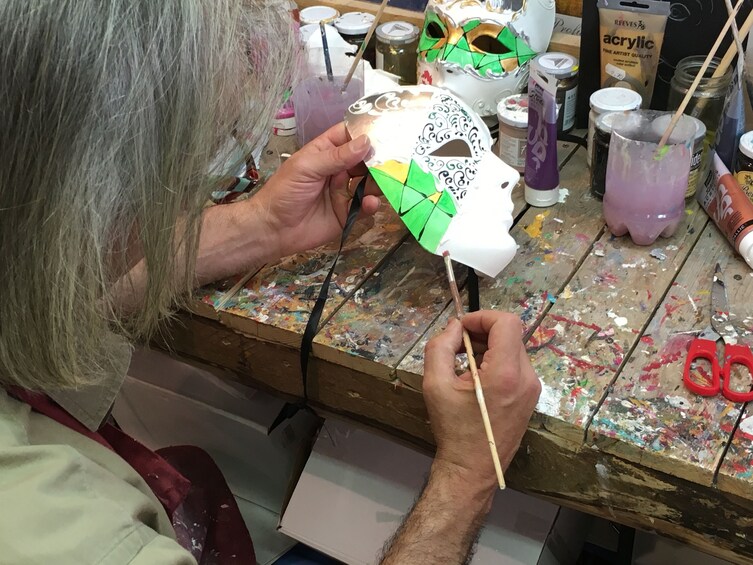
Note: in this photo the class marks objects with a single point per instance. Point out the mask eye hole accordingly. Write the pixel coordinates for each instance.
(434, 31)
(489, 44)
(453, 148)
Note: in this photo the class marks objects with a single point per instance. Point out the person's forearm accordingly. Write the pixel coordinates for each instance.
(234, 239)
(444, 523)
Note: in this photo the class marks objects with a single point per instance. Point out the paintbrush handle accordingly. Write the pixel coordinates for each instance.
(730, 54)
(362, 48)
(698, 78)
(484, 412)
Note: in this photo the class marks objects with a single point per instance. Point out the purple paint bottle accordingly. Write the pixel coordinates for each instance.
(542, 176)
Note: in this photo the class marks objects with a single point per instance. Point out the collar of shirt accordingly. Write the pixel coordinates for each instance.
(91, 404)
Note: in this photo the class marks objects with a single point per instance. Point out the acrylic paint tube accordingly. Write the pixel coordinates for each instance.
(542, 176)
(631, 36)
(729, 207)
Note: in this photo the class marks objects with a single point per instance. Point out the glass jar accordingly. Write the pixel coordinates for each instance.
(707, 102)
(353, 27)
(610, 99)
(397, 50)
(512, 113)
(564, 68)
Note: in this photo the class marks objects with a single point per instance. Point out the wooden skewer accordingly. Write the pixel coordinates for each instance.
(362, 48)
(474, 372)
(698, 78)
(730, 54)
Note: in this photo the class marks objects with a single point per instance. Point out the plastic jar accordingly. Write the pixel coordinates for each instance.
(353, 27)
(699, 159)
(744, 164)
(512, 113)
(564, 68)
(396, 50)
(612, 99)
(316, 14)
(707, 102)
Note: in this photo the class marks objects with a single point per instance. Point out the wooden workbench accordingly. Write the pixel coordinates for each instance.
(608, 323)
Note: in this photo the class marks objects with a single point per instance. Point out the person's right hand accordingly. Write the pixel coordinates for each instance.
(511, 389)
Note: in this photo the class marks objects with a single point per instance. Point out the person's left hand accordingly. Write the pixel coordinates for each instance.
(305, 203)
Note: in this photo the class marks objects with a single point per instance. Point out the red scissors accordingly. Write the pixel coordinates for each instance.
(704, 347)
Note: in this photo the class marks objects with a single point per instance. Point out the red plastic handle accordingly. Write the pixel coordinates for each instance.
(702, 349)
(736, 355)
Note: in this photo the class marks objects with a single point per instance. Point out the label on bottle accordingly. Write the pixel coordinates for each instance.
(745, 178)
(512, 151)
(568, 109)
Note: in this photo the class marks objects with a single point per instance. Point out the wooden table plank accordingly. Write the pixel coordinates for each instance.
(552, 243)
(388, 314)
(585, 337)
(276, 303)
(736, 472)
(648, 415)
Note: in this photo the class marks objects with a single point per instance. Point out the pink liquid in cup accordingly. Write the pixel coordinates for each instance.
(320, 104)
(645, 189)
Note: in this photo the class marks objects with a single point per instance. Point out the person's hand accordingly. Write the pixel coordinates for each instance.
(305, 203)
(511, 389)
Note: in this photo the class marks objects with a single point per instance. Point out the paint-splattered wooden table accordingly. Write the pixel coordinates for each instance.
(607, 324)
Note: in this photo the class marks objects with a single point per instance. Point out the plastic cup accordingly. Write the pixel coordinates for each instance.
(645, 188)
(319, 102)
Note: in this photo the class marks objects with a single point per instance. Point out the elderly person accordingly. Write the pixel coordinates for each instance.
(111, 112)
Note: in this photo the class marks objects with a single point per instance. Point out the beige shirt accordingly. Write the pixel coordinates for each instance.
(65, 499)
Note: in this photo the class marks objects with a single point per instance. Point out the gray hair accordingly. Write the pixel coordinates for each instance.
(110, 114)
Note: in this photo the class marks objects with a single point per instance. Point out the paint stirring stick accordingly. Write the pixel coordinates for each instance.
(730, 54)
(325, 46)
(696, 82)
(365, 42)
(474, 371)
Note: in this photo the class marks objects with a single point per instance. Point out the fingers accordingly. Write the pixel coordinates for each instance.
(500, 328)
(333, 152)
(439, 356)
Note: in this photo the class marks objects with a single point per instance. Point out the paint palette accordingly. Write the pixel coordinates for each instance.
(433, 161)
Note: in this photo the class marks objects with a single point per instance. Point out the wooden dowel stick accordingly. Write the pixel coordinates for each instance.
(730, 54)
(362, 48)
(474, 373)
(698, 78)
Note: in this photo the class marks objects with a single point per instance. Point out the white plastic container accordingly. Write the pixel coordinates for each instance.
(613, 99)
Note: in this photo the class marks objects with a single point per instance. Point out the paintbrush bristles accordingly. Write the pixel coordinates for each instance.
(474, 372)
(362, 48)
(699, 76)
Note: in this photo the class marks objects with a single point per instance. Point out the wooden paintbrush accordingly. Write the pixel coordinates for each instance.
(696, 82)
(474, 371)
(365, 42)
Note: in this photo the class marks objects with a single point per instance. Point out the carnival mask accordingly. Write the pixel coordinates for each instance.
(432, 159)
(480, 49)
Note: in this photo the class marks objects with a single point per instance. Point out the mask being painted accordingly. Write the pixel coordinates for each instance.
(432, 159)
(480, 49)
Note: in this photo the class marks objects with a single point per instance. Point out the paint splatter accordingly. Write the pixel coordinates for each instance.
(534, 229)
(659, 254)
(620, 321)
(564, 193)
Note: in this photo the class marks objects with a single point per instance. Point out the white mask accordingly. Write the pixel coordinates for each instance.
(432, 159)
(480, 50)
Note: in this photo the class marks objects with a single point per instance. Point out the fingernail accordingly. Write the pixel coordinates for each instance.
(360, 143)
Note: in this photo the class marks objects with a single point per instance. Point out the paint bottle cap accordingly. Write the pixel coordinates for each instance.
(543, 198)
(746, 144)
(316, 14)
(615, 99)
(397, 33)
(354, 23)
(558, 65)
(513, 110)
(745, 248)
(606, 120)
